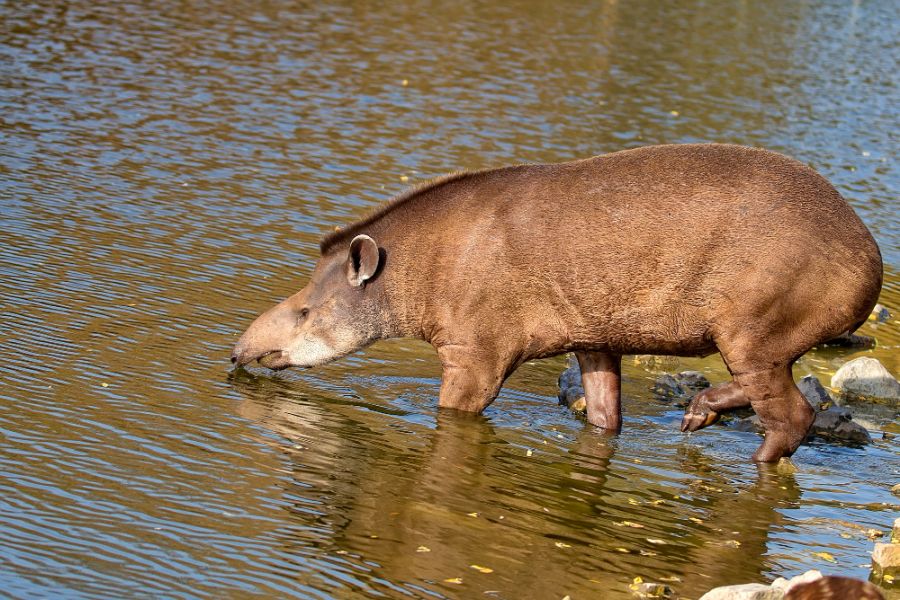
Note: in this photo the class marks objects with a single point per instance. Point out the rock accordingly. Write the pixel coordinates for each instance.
(571, 393)
(814, 392)
(666, 387)
(836, 424)
(885, 561)
(649, 589)
(880, 314)
(749, 424)
(679, 388)
(852, 340)
(896, 490)
(692, 381)
(895, 532)
(747, 591)
(785, 585)
(868, 378)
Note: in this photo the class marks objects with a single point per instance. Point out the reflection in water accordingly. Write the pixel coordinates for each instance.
(166, 171)
(575, 521)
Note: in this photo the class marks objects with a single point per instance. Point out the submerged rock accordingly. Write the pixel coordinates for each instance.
(866, 377)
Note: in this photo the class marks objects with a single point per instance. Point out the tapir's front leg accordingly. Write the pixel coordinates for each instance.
(601, 375)
(471, 380)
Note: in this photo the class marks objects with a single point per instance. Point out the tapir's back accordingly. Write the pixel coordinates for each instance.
(646, 246)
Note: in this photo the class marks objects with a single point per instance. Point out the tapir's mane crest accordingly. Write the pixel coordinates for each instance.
(345, 234)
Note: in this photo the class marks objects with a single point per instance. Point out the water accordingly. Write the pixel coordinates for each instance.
(166, 172)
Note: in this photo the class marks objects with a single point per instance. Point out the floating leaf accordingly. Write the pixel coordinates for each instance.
(633, 501)
(423, 549)
(473, 514)
(732, 543)
(481, 569)
(562, 545)
(628, 524)
(455, 580)
(657, 541)
(825, 556)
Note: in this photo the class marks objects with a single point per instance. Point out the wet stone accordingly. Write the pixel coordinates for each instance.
(746, 591)
(814, 392)
(679, 388)
(880, 314)
(866, 378)
(571, 393)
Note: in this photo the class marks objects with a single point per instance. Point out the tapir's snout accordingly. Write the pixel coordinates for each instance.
(266, 340)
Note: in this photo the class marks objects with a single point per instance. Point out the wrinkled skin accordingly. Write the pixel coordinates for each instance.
(682, 250)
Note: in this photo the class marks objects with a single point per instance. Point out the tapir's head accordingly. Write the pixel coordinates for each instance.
(334, 315)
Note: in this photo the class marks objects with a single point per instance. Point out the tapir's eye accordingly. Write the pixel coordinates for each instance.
(303, 314)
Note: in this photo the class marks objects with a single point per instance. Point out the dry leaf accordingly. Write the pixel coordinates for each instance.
(456, 580)
(562, 545)
(825, 556)
(481, 569)
(423, 549)
(628, 524)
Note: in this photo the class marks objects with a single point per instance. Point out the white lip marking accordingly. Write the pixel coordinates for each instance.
(310, 351)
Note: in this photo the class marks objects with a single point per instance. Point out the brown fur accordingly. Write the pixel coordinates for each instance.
(834, 588)
(683, 249)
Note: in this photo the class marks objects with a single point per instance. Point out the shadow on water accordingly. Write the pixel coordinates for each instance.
(465, 512)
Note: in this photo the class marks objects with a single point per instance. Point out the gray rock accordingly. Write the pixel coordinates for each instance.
(814, 392)
(749, 424)
(666, 387)
(852, 340)
(836, 424)
(867, 378)
(679, 388)
(692, 381)
(571, 393)
(880, 313)
(746, 591)
(785, 585)
(649, 590)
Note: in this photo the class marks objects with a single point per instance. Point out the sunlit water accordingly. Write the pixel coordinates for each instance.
(166, 172)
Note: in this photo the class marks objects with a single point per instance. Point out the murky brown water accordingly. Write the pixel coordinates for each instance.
(166, 170)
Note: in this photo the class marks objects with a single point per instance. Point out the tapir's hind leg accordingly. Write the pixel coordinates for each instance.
(601, 375)
(783, 411)
(707, 407)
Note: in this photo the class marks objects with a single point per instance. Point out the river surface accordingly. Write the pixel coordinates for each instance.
(166, 171)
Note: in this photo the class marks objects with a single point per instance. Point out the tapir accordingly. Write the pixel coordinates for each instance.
(683, 249)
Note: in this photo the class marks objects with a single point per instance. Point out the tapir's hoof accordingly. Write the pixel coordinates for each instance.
(694, 421)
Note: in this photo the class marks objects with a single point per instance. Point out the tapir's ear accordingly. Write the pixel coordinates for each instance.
(362, 261)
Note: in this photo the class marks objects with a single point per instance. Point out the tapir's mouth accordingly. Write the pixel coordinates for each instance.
(275, 360)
